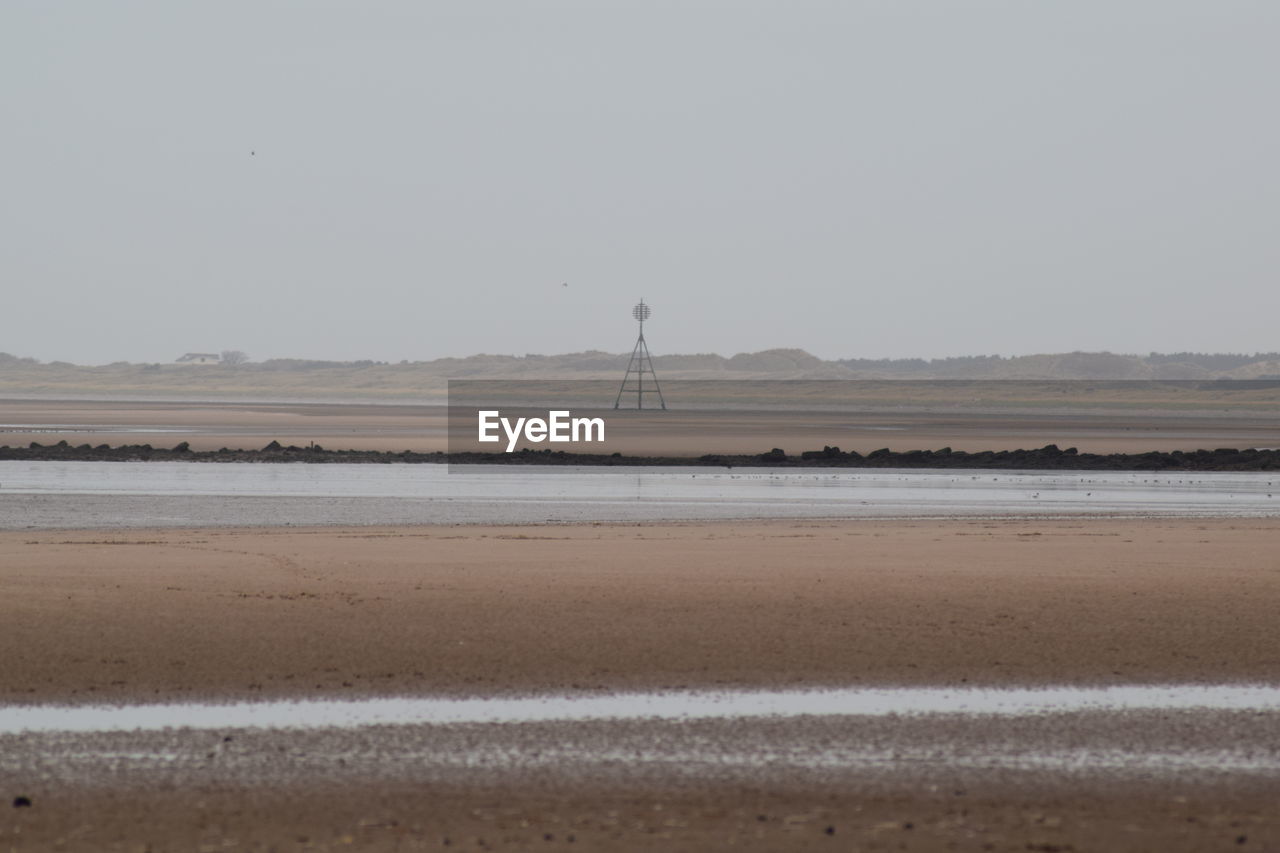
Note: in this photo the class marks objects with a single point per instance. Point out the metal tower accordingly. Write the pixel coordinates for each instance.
(640, 364)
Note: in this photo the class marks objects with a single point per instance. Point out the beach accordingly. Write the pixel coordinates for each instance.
(161, 616)
(640, 427)
(321, 656)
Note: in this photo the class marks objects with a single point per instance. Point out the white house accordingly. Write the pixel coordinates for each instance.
(200, 358)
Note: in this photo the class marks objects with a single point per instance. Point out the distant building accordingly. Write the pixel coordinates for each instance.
(200, 358)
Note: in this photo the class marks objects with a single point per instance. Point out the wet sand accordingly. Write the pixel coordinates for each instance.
(164, 615)
(395, 789)
(424, 428)
(339, 815)
(146, 616)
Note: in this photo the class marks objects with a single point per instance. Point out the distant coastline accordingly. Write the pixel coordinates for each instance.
(422, 381)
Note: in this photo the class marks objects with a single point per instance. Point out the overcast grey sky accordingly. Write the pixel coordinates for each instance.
(395, 180)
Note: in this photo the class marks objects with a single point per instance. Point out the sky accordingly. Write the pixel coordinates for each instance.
(413, 180)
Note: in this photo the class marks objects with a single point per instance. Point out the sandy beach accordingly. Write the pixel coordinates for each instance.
(177, 615)
(425, 428)
(98, 616)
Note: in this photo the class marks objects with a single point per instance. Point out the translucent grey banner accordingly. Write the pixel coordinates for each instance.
(801, 420)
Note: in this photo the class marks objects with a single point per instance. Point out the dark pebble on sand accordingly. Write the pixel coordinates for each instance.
(830, 830)
(22, 802)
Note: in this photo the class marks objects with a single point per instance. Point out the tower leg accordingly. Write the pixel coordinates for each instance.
(641, 363)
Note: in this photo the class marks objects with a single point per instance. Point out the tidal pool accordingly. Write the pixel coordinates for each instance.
(674, 705)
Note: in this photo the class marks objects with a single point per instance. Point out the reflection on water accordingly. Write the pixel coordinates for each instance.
(160, 493)
(738, 704)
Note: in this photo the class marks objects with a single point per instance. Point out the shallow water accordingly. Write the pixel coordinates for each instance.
(1193, 734)
(738, 704)
(88, 494)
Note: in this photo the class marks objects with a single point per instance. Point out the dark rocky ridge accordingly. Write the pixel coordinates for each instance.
(1049, 457)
